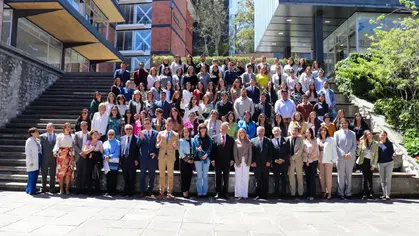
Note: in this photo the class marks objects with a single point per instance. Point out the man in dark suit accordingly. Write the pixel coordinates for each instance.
(130, 158)
(262, 107)
(280, 162)
(164, 105)
(253, 92)
(222, 160)
(140, 75)
(48, 160)
(148, 158)
(122, 73)
(261, 162)
(79, 141)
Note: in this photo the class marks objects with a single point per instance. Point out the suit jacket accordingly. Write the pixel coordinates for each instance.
(78, 144)
(199, 66)
(345, 143)
(124, 75)
(166, 108)
(147, 145)
(254, 95)
(47, 147)
(267, 111)
(133, 108)
(261, 155)
(299, 150)
(167, 148)
(140, 76)
(283, 151)
(132, 152)
(246, 77)
(222, 155)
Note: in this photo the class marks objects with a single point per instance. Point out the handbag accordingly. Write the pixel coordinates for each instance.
(189, 157)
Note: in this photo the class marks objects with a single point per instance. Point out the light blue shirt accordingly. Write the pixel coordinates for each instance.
(112, 149)
(285, 108)
(184, 148)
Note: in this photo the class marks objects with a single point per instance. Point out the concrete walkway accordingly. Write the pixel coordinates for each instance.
(21, 214)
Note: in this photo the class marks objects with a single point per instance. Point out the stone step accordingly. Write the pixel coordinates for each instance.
(88, 96)
(51, 116)
(13, 169)
(348, 108)
(67, 103)
(57, 107)
(79, 89)
(41, 121)
(18, 131)
(12, 162)
(12, 148)
(47, 113)
(57, 126)
(14, 155)
(4, 141)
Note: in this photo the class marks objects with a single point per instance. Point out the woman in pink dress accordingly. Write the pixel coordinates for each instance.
(65, 169)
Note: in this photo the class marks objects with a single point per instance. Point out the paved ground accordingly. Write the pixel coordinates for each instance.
(21, 214)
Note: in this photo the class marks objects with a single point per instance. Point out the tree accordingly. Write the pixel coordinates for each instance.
(244, 32)
(210, 16)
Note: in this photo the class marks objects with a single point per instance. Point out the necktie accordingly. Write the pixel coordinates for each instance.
(168, 137)
(263, 108)
(224, 140)
(253, 89)
(277, 142)
(127, 145)
(50, 138)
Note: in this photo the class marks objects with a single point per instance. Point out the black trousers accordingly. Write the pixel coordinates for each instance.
(366, 178)
(262, 180)
(129, 174)
(93, 172)
(81, 175)
(48, 167)
(186, 172)
(222, 175)
(310, 173)
(111, 181)
(281, 179)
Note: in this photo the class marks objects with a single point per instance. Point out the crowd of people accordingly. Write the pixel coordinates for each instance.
(234, 117)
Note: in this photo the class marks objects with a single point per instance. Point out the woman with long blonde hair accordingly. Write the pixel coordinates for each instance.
(243, 159)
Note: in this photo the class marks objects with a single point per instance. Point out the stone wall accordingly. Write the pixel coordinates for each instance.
(22, 80)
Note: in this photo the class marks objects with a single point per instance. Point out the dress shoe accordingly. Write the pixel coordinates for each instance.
(256, 198)
(169, 195)
(161, 195)
(217, 196)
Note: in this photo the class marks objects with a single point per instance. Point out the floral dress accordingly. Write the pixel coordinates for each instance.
(65, 165)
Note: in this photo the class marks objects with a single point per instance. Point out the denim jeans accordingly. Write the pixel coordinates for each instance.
(202, 177)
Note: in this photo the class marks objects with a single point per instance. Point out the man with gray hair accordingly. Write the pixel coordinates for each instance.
(49, 163)
(129, 160)
(261, 162)
(79, 141)
(280, 162)
(222, 160)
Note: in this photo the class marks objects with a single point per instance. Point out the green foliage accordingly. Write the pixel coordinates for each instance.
(244, 32)
(158, 59)
(389, 74)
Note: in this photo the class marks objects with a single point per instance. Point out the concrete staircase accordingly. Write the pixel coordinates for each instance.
(61, 102)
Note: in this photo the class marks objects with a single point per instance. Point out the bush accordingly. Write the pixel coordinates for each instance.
(411, 142)
(354, 77)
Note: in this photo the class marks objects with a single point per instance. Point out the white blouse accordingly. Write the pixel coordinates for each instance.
(100, 123)
(150, 81)
(109, 107)
(186, 95)
(63, 140)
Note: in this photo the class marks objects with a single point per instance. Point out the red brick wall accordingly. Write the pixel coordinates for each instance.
(161, 12)
(164, 38)
(160, 39)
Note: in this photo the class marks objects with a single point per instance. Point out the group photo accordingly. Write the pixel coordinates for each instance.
(225, 117)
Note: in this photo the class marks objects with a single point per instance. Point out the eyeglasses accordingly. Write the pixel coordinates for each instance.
(84, 113)
(111, 134)
(128, 129)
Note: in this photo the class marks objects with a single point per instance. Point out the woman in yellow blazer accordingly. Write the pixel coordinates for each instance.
(367, 153)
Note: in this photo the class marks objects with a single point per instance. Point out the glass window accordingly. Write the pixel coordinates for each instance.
(137, 13)
(137, 40)
(38, 43)
(6, 26)
(134, 61)
(74, 62)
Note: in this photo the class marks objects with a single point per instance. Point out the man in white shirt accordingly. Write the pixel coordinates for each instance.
(242, 104)
(80, 140)
(285, 107)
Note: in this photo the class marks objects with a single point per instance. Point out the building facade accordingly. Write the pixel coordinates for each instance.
(159, 27)
(71, 35)
(324, 30)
